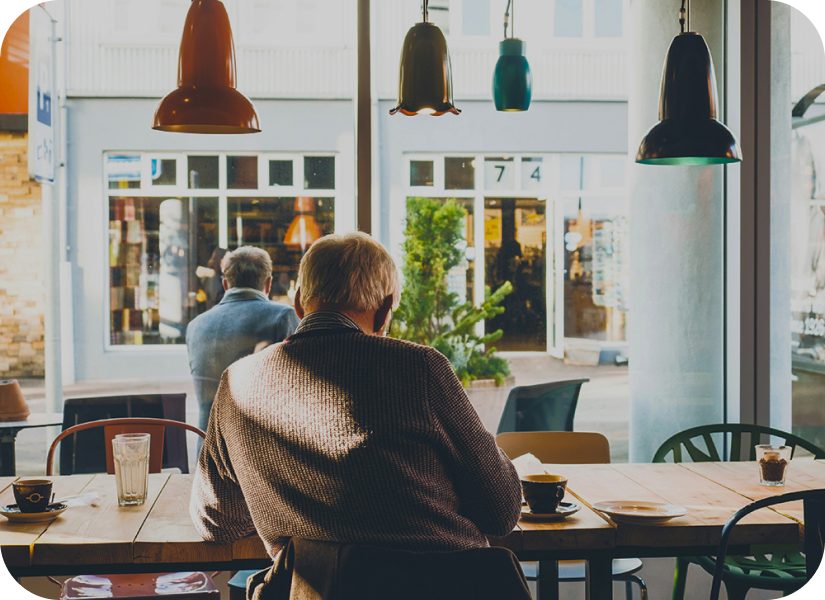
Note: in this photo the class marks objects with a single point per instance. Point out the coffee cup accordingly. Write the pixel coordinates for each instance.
(543, 492)
(32, 495)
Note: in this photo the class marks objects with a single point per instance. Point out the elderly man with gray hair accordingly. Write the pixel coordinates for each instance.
(340, 434)
(242, 322)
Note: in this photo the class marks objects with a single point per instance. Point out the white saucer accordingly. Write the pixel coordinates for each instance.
(13, 514)
(565, 509)
(640, 513)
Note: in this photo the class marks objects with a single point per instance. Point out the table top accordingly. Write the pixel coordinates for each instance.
(160, 531)
(34, 420)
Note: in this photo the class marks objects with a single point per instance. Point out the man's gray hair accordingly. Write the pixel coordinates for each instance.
(247, 267)
(352, 271)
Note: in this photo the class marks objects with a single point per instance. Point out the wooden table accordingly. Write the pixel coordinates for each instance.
(8, 436)
(159, 536)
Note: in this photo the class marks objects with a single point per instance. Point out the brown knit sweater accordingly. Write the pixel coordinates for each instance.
(341, 436)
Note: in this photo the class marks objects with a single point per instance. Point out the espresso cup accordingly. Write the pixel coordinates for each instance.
(543, 492)
(32, 495)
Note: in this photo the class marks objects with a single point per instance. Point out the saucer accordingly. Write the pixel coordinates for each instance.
(565, 509)
(640, 513)
(13, 514)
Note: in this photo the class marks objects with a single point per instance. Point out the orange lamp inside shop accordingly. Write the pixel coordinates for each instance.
(304, 230)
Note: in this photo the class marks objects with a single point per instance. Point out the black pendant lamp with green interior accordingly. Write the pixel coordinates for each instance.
(425, 85)
(688, 132)
(512, 79)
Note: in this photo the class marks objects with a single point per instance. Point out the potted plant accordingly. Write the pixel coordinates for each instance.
(431, 315)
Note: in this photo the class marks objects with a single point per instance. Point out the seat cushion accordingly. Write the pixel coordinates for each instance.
(573, 570)
(169, 586)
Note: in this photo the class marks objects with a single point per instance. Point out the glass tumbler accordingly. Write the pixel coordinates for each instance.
(131, 458)
(773, 463)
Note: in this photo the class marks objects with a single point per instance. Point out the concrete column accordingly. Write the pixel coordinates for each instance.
(677, 251)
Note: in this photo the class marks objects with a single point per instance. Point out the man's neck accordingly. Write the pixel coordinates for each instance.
(364, 320)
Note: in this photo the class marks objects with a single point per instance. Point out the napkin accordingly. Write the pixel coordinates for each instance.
(80, 500)
(527, 464)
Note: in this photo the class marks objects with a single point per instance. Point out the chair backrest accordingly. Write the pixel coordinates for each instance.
(80, 453)
(112, 427)
(560, 447)
(542, 407)
(814, 516)
(742, 442)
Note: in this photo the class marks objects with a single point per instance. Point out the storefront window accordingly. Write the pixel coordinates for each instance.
(165, 250)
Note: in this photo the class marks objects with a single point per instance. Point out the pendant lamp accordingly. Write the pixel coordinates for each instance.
(688, 132)
(206, 100)
(425, 85)
(512, 79)
(304, 230)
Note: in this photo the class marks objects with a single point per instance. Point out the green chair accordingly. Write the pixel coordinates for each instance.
(778, 569)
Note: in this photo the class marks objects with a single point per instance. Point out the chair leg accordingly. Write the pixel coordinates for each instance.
(680, 578)
(631, 579)
(628, 590)
(736, 591)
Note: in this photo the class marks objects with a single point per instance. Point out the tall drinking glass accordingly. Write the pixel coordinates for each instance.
(131, 457)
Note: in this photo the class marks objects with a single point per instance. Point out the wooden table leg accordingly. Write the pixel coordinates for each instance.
(599, 578)
(547, 580)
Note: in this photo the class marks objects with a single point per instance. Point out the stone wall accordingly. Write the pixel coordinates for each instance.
(22, 293)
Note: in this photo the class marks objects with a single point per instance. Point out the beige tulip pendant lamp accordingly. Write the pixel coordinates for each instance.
(206, 100)
(688, 132)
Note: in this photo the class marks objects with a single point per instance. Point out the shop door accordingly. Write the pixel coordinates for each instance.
(519, 247)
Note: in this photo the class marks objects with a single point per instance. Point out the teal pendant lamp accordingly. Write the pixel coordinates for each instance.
(688, 132)
(425, 83)
(512, 79)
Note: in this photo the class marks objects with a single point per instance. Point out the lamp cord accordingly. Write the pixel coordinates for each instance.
(684, 16)
(507, 19)
(427, 12)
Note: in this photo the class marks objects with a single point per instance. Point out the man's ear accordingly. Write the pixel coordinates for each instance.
(225, 284)
(299, 309)
(382, 315)
(268, 285)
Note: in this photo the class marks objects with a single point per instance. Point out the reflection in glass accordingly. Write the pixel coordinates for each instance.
(203, 172)
(155, 247)
(319, 172)
(242, 172)
(280, 173)
(265, 222)
(515, 250)
(421, 173)
(459, 173)
(164, 171)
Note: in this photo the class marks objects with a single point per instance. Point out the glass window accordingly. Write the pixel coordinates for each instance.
(612, 173)
(280, 173)
(571, 172)
(499, 173)
(123, 171)
(476, 17)
(608, 18)
(459, 173)
(533, 173)
(421, 173)
(568, 18)
(319, 172)
(164, 171)
(242, 172)
(155, 247)
(439, 14)
(203, 172)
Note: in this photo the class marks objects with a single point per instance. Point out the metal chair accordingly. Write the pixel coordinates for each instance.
(783, 571)
(814, 515)
(184, 585)
(542, 407)
(568, 447)
(79, 452)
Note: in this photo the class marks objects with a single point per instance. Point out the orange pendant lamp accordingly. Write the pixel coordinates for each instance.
(304, 230)
(206, 100)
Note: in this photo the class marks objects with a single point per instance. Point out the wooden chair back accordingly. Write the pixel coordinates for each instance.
(112, 427)
(560, 447)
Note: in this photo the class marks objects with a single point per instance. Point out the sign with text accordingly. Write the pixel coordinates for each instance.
(42, 96)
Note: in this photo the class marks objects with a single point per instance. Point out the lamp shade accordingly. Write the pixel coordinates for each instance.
(304, 230)
(688, 132)
(13, 406)
(206, 100)
(425, 84)
(512, 79)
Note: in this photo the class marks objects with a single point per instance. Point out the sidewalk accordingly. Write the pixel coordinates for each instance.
(603, 404)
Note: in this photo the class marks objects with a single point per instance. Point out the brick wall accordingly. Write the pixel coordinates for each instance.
(22, 293)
